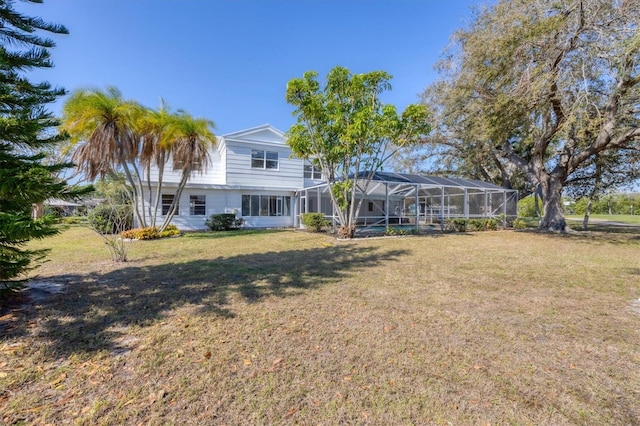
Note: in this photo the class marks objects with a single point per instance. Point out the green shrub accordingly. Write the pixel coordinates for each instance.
(477, 225)
(315, 221)
(519, 224)
(170, 231)
(73, 220)
(223, 222)
(527, 207)
(150, 233)
(490, 224)
(458, 225)
(110, 218)
(394, 231)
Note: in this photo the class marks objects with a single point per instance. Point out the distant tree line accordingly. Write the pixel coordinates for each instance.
(609, 204)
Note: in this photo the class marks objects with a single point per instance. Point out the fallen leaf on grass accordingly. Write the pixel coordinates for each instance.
(207, 355)
(131, 401)
(290, 412)
(247, 362)
(276, 363)
(33, 410)
(58, 379)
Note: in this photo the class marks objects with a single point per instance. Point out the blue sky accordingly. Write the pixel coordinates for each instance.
(229, 61)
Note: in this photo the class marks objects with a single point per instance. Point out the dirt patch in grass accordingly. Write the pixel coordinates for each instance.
(287, 327)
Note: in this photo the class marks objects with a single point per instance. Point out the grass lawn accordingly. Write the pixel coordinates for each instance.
(296, 328)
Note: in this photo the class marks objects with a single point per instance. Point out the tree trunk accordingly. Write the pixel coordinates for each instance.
(346, 232)
(587, 213)
(552, 205)
(536, 202)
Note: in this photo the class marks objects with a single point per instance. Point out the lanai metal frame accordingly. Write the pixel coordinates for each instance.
(417, 201)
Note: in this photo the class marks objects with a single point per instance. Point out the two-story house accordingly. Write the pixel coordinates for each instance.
(252, 173)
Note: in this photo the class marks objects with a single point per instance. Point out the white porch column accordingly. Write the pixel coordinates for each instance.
(386, 205)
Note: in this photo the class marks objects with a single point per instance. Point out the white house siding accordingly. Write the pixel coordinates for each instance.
(214, 174)
(224, 201)
(239, 170)
(230, 176)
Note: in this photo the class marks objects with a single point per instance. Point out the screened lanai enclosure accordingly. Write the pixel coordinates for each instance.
(417, 201)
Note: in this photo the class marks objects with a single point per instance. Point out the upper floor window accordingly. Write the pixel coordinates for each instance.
(197, 205)
(312, 172)
(264, 159)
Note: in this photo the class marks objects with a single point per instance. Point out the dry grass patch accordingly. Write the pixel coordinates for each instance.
(288, 327)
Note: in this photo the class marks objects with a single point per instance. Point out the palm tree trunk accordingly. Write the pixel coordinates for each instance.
(140, 193)
(151, 215)
(158, 191)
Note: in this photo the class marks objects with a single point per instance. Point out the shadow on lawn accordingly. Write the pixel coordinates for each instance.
(85, 318)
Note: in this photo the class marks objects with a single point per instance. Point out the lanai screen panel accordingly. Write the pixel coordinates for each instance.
(418, 199)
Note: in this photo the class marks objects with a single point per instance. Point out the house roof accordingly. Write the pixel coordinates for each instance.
(425, 181)
(253, 132)
(431, 180)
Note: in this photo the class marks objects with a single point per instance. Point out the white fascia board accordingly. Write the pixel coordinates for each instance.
(172, 185)
(220, 143)
(261, 143)
(244, 133)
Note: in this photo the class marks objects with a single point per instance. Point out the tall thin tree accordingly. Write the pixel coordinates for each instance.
(26, 133)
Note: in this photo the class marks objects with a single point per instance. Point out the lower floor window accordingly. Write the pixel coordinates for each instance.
(167, 199)
(266, 205)
(197, 205)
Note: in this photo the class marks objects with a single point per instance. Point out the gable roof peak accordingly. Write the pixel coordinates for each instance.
(252, 130)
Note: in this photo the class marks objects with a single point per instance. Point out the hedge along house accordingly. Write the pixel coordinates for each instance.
(397, 199)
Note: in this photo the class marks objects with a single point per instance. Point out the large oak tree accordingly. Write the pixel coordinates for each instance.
(537, 90)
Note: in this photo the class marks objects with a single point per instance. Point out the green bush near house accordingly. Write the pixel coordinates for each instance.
(457, 225)
(111, 218)
(223, 222)
(519, 224)
(150, 233)
(315, 221)
(73, 220)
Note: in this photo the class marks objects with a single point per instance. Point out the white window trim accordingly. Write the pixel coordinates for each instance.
(265, 159)
(192, 205)
(314, 170)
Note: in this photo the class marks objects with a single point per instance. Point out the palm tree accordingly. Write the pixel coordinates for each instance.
(189, 139)
(105, 124)
(155, 150)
